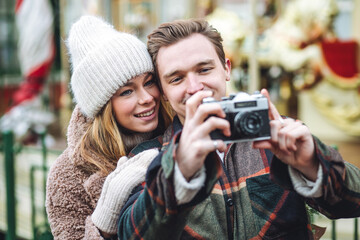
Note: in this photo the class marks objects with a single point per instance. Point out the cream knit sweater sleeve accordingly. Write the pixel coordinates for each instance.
(117, 188)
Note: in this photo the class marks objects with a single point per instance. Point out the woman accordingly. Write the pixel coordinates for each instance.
(117, 106)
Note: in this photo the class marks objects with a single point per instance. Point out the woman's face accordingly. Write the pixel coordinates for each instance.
(136, 105)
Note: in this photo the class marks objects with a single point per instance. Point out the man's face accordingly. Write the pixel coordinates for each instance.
(189, 66)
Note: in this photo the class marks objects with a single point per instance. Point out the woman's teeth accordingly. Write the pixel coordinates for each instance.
(145, 114)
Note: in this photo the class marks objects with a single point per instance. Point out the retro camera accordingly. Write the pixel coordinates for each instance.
(248, 117)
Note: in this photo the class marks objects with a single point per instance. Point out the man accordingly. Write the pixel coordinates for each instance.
(199, 188)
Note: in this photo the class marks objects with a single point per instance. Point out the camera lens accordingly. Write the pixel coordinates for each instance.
(248, 123)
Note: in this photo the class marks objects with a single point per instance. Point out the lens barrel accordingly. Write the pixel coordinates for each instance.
(248, 123)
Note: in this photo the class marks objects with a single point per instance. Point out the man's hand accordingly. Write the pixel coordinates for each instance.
(195, 142)
(291, 142)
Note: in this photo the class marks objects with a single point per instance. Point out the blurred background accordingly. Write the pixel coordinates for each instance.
(305, 52)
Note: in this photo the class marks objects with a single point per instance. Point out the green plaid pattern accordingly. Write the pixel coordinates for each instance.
(240, 198)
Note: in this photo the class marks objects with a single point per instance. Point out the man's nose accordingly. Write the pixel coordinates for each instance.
(193, 84)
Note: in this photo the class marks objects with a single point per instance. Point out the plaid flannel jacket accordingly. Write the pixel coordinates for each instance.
(240, 199)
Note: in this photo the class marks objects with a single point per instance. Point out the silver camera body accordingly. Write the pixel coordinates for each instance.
(248, 117)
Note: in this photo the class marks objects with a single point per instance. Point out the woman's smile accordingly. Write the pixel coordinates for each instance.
(146, 113)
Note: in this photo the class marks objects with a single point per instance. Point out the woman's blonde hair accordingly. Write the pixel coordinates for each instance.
(102, 144)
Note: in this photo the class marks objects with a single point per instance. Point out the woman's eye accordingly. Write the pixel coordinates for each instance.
(149, 83)
(126, 93)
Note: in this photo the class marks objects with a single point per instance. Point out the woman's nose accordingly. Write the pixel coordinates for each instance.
(145, 97)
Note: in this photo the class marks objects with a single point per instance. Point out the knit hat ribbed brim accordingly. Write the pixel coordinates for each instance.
(103, 60)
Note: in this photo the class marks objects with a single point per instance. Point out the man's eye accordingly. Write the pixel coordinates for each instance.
(175, 80)
(126, 93)
(205, 70)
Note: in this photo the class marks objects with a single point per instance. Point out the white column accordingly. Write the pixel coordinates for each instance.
(254, 82)
(356, 20)
(356, 25)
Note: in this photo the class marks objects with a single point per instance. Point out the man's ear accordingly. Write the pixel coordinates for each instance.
(227, 69)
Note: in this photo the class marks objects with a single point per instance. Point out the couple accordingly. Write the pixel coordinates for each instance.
(178, 183)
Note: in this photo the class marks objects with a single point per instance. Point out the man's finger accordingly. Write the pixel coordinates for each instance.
(194, 101)
(273, 112)
(212, 124)
(204, 111)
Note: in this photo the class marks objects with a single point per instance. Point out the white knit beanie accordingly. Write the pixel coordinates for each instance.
(103, 60)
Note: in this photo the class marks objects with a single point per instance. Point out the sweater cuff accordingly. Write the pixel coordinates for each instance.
(105, 219)
(305, 187)
(185, 191)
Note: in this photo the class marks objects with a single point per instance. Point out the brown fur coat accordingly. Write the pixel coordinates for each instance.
(71, 193)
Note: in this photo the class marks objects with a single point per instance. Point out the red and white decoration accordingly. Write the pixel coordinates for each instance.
(36, 50)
